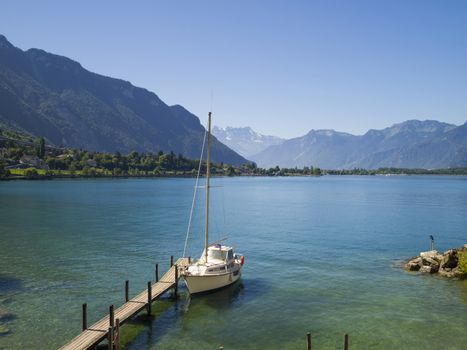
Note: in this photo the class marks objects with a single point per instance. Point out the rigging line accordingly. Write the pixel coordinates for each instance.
(223, 204)
(212, 99)
(194, 194)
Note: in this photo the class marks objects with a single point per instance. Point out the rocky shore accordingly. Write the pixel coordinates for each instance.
(452, 263)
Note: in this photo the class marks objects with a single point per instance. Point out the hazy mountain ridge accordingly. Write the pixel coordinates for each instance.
(245, 140)
(55, 97)
(411, 144)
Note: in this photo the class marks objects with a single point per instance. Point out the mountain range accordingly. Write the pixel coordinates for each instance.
(412, 144)
(245, 141)
(52, 96)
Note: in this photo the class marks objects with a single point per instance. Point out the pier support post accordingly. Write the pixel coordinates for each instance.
(346, 341)
(176, 282)
(111, 316)
(127, 291)
(117, 334)
(149, 299)
(157, 272)
(171, 260)
(308, 339)
(189, 260)
(110, 338)
(85, 316)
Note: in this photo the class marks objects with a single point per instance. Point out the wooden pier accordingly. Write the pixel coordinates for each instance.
(109, 326)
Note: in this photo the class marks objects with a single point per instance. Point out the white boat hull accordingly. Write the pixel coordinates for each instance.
(204, 283)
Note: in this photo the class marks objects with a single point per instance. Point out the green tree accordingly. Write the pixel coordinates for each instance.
(4, 172)
(15, 153)
(88, 171)
(163, 161)
(41, 148)
(230, 171)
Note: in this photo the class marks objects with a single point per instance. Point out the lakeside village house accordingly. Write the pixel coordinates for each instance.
(27, 161)
(90, 162)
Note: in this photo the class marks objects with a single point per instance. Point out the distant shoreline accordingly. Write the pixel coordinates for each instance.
(168, 176)
(23, 158)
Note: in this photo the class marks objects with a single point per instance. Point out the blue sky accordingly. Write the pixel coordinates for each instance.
(281, 67)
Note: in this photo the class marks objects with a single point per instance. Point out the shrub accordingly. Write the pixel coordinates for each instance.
(462, 263)
(31, 172)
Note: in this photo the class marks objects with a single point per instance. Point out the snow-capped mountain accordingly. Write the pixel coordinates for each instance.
(245, 141)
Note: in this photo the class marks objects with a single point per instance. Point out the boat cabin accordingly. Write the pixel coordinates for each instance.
(219, 254)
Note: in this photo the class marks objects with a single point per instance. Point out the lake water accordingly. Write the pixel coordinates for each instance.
(322, 256)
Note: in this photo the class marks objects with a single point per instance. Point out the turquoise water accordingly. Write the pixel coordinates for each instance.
(322, 256)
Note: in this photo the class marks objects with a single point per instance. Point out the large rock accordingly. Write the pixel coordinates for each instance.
(450, 272)
(429, 254)
(414, 264)
(438, 257)
(426, 269)
(426, 263)
(430, 262)
(449, 260)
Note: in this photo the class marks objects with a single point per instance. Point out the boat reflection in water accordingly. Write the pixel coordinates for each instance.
(219, 299)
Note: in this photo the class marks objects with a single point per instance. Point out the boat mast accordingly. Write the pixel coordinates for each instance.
(208, 174)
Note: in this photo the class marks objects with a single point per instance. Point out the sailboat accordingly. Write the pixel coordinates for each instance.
(218, 266)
